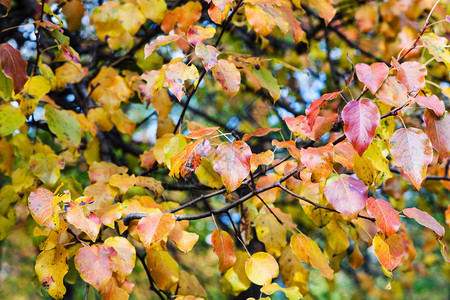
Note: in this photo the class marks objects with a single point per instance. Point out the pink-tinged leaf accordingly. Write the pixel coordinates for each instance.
(102, 171)
(290, 145)
(348, 195)
(411, 152)
(208, 54)
(13, 65)
(115, 290)
(411, 74)
(122, 254)
(187, 161)
(432, 103)
(199, 133)
(221, 4)
(228, 75)
(232, 162)
(313, 110)
(298, 126)
(372, 76)
(361, 119)
(197, 34)
(155, 227)
(94, 265)
(387, 218)
(263, 158)
(392, 92)
(75, 216)
(322, 125)
(389, 252)
(344, 153)
(319, 161)
(438, 130)
(259, 133)
(424, 219)
(158, 42)
(185, 240)
(43, 208)
(176, 75)
(109, 214)
(217, 15)
(224, 249)
(154, 83)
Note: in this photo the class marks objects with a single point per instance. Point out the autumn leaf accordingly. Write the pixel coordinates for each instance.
(372, 76)
(437, 46)
(424, 219)
(197, 34)
(90, 224)
(13, 66)
(261, 267)
(163, 268)
(177, 74)
(187, 161)
(271, 233)
(208, 54)
(438, 132)
(202, 132)
(11, 119)
(387, 218)
(94, 264)
(44, 208)
(185, 240)
(392, 92)
(228, 75)
(224, 249)
(347, 194)
(264, 158)
(154, 228)
(259, 133)
(389, 252)
(292, 293)
(158, 42)
(361, 119)
(51, 267)
(299, 126)
(432, 102)
(232, 162)
(64, 125)
(411, 151)
(314, 108)
(319, 161)
(411, 74)
(122, 254)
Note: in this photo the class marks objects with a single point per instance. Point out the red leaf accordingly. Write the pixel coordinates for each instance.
(224, 249)
(432, 103)
(154, 228)
(347, 194)
(188, 160)
(259, 133)
(424, 219)
(232, 162)
(319, 161)
(313, 110)
(263, 158)
(13, 65)
(322, 125)
(43, 208)
(94, 265)
(412, 153)
(387, 218)
(361, 119)
(438, 130)
(228, 75)
(372, 76)
(388, 252)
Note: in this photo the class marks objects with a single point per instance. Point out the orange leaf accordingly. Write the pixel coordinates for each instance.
(199, 133)
(187, 161)
(90, 224)
(224, 249)
(197, 34)
(154, 228)
(319, 161)
(232, 162)
(44, 208)
(290, 145)
(264, 158)
(314, 108)
(387, 218)
(228, 75)
(389, 252)
(259, 132)
(122, 254)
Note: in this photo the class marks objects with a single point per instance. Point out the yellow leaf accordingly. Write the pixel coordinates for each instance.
(293, 273)
(46, 167)
(122, 122)
(207, 175)
(163, 268)
(6, 157)
(99, 116)
(51, 266)
(271, 233)
(261, 267)
(292, 293)
(153, 9)
(69, 73)
(235, 280)
(35, 88)
(11, 119)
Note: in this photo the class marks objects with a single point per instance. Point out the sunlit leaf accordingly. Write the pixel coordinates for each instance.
(432, 102)
(11, 119)
(271, 233)
(64, 125)
(154, 228)
(291, 293)
(224, 249)
(163, 268)
(228, 75)
(177, 74)
(387, 218)
(122, 254)
(412, 152)
(319, 161)
(438, 130)
(51, 266)
(347, 194)
(232, 162)
(424, 219)
(208, 54)
(264, 158)
(437, 46)
(314, 108)
(198, 34)
(389, 252)
(94, 264)
(361, 119)
(259, 133)
(372, 76)
(261, 267)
